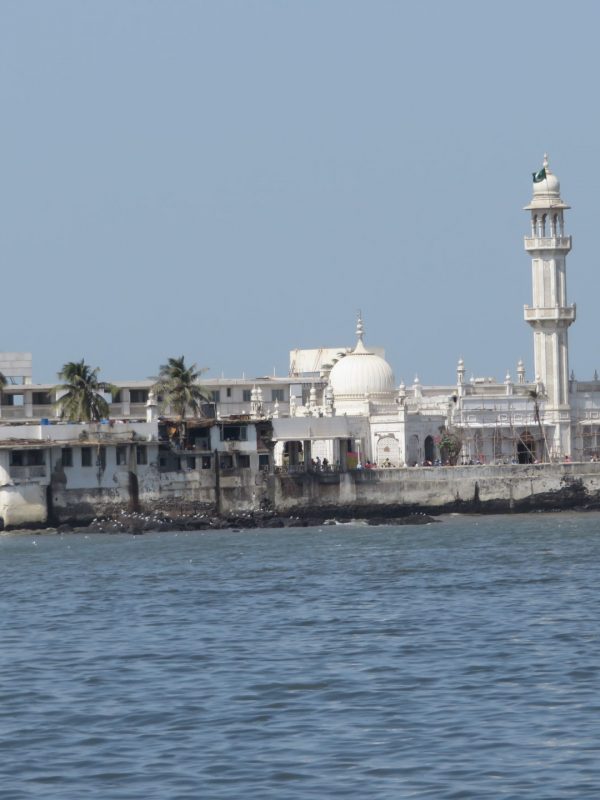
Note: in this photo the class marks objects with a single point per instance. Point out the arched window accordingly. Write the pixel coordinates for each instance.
(429, 449)
(526, 448)
(414, 451)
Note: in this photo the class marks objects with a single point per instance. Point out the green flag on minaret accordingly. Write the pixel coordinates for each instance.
(540, 175)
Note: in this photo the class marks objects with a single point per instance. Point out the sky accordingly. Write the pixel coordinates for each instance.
(231, 180)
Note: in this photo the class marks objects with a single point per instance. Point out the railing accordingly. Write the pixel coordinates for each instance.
(45, 411)
(547, 242)
(27, 473)
(563, 313)
(12, 412)
(296, 469)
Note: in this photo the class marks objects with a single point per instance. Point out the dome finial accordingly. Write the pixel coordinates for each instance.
(360, 328)
(545, 162)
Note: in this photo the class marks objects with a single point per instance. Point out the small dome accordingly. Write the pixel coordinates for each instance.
(549, 187)
(546, 187)
(361, 372)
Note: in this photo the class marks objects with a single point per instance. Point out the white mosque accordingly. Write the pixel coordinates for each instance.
(364, 416)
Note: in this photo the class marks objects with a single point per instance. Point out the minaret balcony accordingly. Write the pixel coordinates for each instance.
(552, 314)
(561, 243)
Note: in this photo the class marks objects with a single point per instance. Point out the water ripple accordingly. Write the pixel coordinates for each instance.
(459, 660)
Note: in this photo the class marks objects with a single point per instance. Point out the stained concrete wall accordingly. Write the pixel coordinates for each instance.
(376, 492)
(502, 488)
(23, 505)
(151, 490)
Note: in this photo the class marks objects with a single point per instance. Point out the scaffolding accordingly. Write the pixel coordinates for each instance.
(493, 433)
(587, 443)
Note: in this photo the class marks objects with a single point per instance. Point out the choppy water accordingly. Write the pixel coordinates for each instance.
(458, 660)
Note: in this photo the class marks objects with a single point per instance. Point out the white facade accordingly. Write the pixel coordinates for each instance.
(546, 418)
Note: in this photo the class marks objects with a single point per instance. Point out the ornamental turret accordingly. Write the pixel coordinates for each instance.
(549, 315)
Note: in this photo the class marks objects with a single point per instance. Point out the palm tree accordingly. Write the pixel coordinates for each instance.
(178, 386)
(536, 395)
(82, 401)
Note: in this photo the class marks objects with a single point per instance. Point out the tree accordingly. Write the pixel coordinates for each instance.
(450, 445)
(179, 388)
(81, 400)
(536, 395)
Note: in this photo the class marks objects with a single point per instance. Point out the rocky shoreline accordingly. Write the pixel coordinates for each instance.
(137, 523)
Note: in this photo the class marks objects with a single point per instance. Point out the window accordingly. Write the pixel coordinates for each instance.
(206, 462)
(121, 455)
(243, 461)
(228, 391)
(138, 395)
(277, 394)
(263, 461)
(234, 433)
(226, 462)
(116, 398)
(12, 399)
(191, 462)
(199, 442)
(247, 395)
(86, 456)
(26, 458)
(16, 458)
(141, 454)
(66, 457)
(41, 399)
(215, 396)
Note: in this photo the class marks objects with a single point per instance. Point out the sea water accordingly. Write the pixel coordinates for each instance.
(452, 660)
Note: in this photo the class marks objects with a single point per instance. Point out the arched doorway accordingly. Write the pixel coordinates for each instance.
(413, 450)
(526, 448)
(429, 449)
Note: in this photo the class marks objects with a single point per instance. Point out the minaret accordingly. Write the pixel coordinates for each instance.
(549, 315)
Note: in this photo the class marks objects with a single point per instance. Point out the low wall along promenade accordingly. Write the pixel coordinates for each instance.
(374, 494)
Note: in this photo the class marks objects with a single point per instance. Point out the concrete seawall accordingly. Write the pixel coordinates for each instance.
(376, 494)
(443, 489)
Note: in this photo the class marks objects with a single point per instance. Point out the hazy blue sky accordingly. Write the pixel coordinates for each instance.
(229, 180)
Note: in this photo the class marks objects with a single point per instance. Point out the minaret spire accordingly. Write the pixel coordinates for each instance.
(360, 328)
(360, 334)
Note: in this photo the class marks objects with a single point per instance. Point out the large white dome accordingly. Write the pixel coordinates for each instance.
(361, 372)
